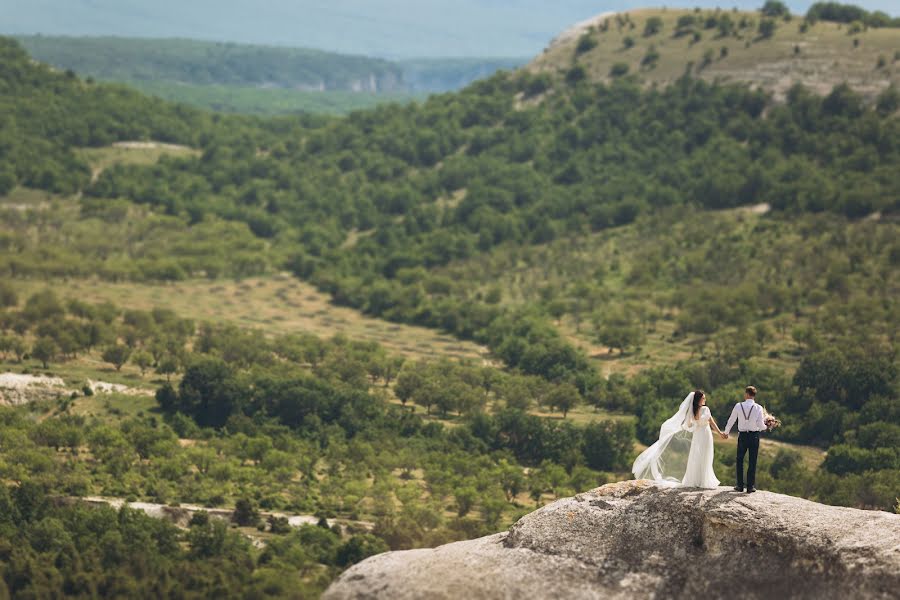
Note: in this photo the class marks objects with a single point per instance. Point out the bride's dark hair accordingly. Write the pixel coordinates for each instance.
(698, 394)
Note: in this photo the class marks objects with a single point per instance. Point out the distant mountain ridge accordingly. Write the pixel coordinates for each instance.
(388, 28)
(205, 63)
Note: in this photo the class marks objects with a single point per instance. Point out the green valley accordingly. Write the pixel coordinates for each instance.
(419, 321)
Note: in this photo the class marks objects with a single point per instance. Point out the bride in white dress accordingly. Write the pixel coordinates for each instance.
(683, 454)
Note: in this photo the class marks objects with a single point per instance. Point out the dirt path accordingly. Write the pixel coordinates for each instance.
(181, 515)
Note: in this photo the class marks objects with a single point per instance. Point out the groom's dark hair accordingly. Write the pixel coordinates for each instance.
(751, 391)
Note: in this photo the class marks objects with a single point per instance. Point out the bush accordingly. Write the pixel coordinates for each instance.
(586, 43)
(575, 75)
(767, 28)
(619, 69)
(650, 58)
(245, 513)
(775, 8)
(653, 26)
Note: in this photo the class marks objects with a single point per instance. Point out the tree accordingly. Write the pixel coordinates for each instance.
(210, 393)
(653, 26)
(167, 366)
(44, 350)
(245, 513)
(117, 355)
(8, 295)
(358, 548)
(609, 445)
(774, 8)
(586, 43)
(766, 28)
(651, 57)
(42, 306)
(465, 499)
(575, 75)
(143, 360)
(564, 397)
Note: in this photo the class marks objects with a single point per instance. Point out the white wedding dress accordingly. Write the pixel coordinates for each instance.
(683, 454)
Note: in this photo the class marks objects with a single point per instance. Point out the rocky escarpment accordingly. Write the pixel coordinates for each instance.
(635, 540)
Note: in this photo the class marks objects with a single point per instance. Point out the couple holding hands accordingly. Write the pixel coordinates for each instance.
(683, 454)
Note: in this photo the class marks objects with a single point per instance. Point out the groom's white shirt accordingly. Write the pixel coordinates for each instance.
(752, 410)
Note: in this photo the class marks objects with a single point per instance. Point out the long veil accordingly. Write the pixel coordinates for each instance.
(666, 460)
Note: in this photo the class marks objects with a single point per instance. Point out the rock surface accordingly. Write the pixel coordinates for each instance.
(635, 540)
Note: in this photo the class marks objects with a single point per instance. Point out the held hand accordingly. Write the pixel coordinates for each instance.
(724, 436)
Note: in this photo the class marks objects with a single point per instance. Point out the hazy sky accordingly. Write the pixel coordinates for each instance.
(390, 28)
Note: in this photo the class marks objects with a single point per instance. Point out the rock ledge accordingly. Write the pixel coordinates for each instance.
(635, 540)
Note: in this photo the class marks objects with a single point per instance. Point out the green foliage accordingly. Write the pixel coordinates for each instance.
(619, 70)
(586, 43)
(117, 355)
(653, 26)
(58, 549)
(848, 13)
(775, 8)
(245, 513)
(269, 101)
(608, 445)
(651, 57)
(44, 350)
(766, 28)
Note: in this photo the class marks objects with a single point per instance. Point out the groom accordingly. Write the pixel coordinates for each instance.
(749, 417)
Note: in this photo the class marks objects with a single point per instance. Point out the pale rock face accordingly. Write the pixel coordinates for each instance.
(635, 540)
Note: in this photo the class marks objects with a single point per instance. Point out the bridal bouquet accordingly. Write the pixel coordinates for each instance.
(771, 421)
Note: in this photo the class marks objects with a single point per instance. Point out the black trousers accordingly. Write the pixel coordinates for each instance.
(748, 441)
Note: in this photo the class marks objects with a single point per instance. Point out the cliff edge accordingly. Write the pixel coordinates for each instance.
(635, 540)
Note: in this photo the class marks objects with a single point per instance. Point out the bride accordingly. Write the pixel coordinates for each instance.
(683, 454)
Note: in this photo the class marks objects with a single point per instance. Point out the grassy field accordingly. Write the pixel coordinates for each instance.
(131, 153)
(274, 305)
(821, 57)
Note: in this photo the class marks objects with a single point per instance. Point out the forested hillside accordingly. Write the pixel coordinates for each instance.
(613, 245)
(205, 63)
(261, 80)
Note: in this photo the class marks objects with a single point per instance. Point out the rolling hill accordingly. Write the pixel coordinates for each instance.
(195, 62)
(726, 45)
(263, 80)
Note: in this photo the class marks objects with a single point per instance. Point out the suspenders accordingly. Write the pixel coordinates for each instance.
(746, 414)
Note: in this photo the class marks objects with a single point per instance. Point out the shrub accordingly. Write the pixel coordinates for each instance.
(766, 28)
(618, 69)
(575, 75)
(245, 513)
(774, 8)
(651, 58)
(586, 43)
(653, 26)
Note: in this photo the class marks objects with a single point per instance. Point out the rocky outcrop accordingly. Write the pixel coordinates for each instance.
(16, 389)
(635, 540)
